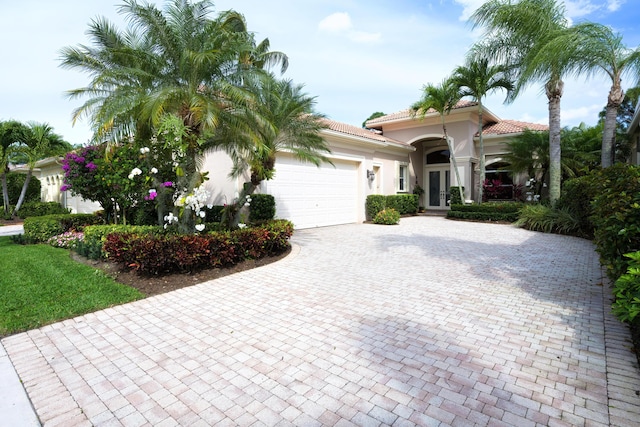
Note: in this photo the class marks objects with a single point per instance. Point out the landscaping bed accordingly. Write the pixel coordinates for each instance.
(151, 285)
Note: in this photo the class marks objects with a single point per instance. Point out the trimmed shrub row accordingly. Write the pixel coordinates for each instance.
(507, 211)
(39, 229)
(404, 204)
(156, 253)
(31, 209)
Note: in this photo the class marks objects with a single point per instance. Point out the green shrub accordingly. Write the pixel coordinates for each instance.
(616, 216)
(154, 253)
(483, 216)
(577, 195)
(41, 228)
(547, 219)
(31, 209)
(388, 216)
(262, 208)
(454, 195)
(95, 236)
(627, 291)
(15, 181)
(374, 204)
(489, 207)
(214, 214)
(405, 204)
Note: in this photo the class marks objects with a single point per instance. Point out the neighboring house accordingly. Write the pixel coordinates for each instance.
(49, 172)
(634, 137)
(398, 153)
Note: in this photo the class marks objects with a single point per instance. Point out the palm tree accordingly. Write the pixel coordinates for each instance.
(39, 143)
(281, 117)
(177, 61)
(441, 99)
(515, 32)
(478, 79)
(11, 134)
(594, 49)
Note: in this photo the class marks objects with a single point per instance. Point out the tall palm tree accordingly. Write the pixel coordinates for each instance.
(477, 79)
(594, 49)
(177, 61)
(516, 30)
(441, 99)
(40, 142)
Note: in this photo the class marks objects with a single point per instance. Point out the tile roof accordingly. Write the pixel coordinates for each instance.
(511, 126)
(406, 114)
(361, 132)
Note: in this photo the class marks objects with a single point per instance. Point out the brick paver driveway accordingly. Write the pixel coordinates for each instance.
(431, 322)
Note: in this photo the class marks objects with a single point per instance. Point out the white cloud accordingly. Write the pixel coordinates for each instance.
(614, 5)
(580, 8)
(336, 23)
(469, 6)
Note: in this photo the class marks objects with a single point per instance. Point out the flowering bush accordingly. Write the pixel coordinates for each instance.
(388, 216)
(68, 240)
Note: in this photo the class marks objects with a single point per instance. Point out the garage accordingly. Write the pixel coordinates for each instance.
(311, 196)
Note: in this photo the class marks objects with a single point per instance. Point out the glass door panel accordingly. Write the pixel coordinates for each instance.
(434, 189)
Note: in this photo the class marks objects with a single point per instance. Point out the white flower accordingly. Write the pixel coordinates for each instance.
(144, 150)
(134, 172)
(210, 206)
(241, 225)
(153, 190)
(199, 227)
(202, 214)
(154, 170)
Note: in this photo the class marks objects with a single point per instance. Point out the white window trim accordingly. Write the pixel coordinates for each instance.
(406, 177)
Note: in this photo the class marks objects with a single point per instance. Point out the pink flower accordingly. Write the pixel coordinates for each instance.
(168, 184)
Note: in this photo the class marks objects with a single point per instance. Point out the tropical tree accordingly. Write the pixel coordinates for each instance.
(594, 49)
(371, 117)
(175, 61)
(281, 117)
(477, 79)
(11, 134)
(442, 99)
(39, 142)
(516, 31)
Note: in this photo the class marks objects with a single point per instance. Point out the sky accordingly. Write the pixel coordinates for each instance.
(356, 57)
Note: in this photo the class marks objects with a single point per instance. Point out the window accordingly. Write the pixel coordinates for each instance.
(403, 178)
(498, 184)
(438, 157)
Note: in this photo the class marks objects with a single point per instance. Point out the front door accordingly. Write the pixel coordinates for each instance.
(438, 184)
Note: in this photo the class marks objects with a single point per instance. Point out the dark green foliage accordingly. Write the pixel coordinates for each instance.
(455, 196)
(163, 253)
(214, 214)
(577, 194)
(41, 228)
(627, 291)
(15, 181)
(616, 216)
(387, 216)
(547, 219)
(506, 211)
(262, 207)
(31, 209)
(374, 204)
(405, 204)
(96, 235)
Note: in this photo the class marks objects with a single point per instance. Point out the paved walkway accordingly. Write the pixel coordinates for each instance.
(429, 323)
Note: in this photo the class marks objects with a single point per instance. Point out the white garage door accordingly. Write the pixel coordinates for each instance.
(311, 196)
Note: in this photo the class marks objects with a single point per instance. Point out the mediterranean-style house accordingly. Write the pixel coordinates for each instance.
(393, 155)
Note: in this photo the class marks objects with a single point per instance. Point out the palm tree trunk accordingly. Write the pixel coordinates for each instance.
(482, 162)
(616, 96)
(23, 193)
(453, 160)
(554, 90)
(5, 193)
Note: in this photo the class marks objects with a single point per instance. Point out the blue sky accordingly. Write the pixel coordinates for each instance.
(355, 56)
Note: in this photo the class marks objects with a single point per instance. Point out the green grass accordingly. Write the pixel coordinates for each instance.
(40, 284)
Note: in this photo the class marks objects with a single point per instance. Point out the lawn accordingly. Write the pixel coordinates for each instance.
(40, 284)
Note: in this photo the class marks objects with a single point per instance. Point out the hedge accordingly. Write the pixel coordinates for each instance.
(404, 204)
(483, 216)
(153, 253)
(39, 229)
(31, 209)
